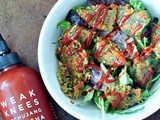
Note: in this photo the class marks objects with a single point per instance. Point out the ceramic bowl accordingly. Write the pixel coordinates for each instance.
(48, 67)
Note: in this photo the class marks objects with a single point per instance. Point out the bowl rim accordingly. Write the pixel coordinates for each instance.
(41, 67)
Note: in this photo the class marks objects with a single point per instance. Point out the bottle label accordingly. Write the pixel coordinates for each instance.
(26, 106)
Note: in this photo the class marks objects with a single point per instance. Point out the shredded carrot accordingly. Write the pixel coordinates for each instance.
(143, 64)
(113, 6)
(103, 27)
(75, 88)
(82, 82)
(83, 14)
(149, 68)
(137, 92)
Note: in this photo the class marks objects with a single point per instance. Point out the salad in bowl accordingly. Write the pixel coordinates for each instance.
(108, 55)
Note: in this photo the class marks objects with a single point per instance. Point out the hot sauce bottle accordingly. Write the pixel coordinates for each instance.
(22, 95)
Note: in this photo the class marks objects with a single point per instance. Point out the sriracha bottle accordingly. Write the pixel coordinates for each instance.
(22, 95)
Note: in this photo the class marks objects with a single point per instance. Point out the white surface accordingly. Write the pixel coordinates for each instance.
(48, 67)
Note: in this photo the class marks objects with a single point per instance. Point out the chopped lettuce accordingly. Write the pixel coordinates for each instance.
(58, 73)
(154, 62)
(142, 43)
(124, 78)
(95, 40)
(153, 80)
(146, 93)
(103, 68)
(98, 100)
(78, 7)
(128, 111)
(89, 95)
(113, 110)
(139, 43)
(64, 25)
(137, 5)
(145, 41)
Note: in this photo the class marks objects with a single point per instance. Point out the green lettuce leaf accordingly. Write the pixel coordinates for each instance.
(124, 77)
(113, 110)
(139, 43)
(145, 42)
(128, 111)
(64, 25)
(78, 7)
(137, 5)
(98, 100)
(146, 93)
(88, 97)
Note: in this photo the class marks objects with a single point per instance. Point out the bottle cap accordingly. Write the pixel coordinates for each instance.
(6, 57)
(9, 60)
(3, 46)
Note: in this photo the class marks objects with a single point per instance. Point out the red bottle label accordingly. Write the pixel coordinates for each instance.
(23, 97)
(32, 103)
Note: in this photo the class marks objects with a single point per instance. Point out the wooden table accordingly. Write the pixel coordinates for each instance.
(20, 24)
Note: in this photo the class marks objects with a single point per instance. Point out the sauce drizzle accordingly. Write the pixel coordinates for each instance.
(88, 41)
(66, 40)
(124, 19)
(118, 99)
(81, 57)
(134, 31)
(99, 15)
(104, 78)
(99, 51)
(70, 52)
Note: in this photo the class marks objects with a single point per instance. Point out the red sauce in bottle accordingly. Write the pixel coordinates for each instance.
(23, 95)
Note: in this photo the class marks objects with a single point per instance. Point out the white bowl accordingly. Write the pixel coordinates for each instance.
(48, 66)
